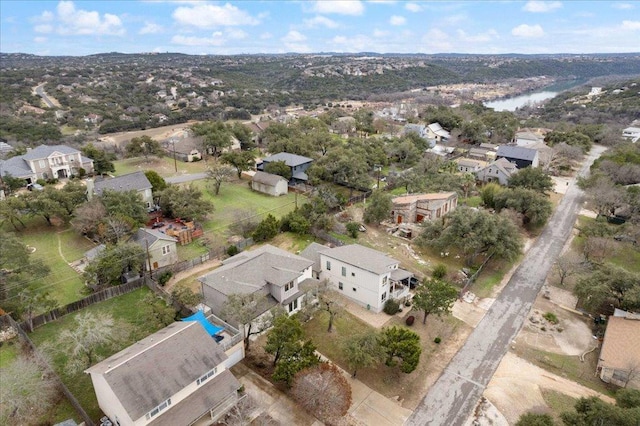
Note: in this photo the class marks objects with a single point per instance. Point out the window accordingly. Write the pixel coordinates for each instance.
(42, 164)
(205, 376)
(344, 271)
(384, 280)
(340, 286)
(166, 250)
(159, 408)
(384, 296)
(328, 265)
(288, 286)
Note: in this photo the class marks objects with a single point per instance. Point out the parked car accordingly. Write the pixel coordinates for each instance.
(35, 187)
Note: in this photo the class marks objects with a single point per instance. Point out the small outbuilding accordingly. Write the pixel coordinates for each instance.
(268, 183)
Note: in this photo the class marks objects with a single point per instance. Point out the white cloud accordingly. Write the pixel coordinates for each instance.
(397, 20)
(43, 28)
(528, 31)
(340, 7)
(437, 40)
(413, 7)
(478, 38)
(631, 25)
(150, 28)
(83, 22)
(536, 6)
(266, 36)
(380, 33)
(623, 6)
(294, 37)
(454, 19)
(237, 34)
(214, 40)
(210, 16)
(320, 21)
(40, 39)
(356, 43)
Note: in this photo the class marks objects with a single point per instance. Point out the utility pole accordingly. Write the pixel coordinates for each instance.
(175, 164)
(377, 168)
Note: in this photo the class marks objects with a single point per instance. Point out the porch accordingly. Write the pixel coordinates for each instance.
(400, 283)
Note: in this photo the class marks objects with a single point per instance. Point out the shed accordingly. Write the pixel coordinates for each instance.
(268, 183)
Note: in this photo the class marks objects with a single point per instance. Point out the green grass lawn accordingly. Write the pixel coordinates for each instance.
(164, 166)
(236, 198)
(126, 311)
(558, 402)
(471, 201)
(56, 247)
(192, 250)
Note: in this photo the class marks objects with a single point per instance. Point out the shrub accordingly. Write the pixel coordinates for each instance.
(232, 251)
(410, 319)
(439, 272)
(551, 317)
(353, 228)
(391, 307)
(165, 277)
(437, 340)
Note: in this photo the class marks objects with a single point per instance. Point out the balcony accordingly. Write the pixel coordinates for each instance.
(400, 284)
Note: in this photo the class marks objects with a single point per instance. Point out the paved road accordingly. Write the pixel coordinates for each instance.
(185, 178)
(40, 92)
(452, 399)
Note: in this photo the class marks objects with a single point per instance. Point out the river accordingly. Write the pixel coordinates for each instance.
(511, 104)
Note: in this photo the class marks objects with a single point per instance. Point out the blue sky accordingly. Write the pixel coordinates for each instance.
(234, 27)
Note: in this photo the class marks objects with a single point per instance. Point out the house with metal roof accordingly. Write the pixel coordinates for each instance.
(435, 131)
(498, 171)
(176, 376)
(521, 156)
(270, 184)
(161, 249)
(277, 276)
(136, 181)
(364, 275)
(46, 162)
(297, 163)
(619, 360)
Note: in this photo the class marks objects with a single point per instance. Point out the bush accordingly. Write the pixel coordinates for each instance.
(437, 340)
(391, 307)
(353, 228)
(232, 251)
(165, 277)
(551, 317)
(439, 272)
(410, 320)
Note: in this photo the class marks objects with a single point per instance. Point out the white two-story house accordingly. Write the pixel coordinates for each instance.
(176, 376)
(364, 275)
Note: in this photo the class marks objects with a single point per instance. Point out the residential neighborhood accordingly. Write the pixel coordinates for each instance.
(317, 238)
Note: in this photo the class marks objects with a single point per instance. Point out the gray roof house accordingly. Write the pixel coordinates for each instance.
(136, 181)
(297, 163)
(366, 276)
(268, 183)
(521, 156)
(161, 248)
(277, 275)
(46, 162)
(176, 376)
(498, 171)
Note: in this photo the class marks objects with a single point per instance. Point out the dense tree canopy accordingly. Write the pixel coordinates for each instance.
(184, 202)
(434, 296)
(401, 343)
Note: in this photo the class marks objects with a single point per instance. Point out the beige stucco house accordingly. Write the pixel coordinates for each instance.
(46, 162)
(619, 360)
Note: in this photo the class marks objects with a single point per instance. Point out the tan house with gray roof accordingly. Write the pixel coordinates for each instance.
(498, 171)
(176, 376)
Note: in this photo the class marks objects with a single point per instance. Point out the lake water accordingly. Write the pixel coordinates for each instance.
(510, 104)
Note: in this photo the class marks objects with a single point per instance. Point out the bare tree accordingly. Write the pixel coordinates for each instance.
(246, 222)
(567, 265)
(81, 341)
(245, 310)
(217, 173)
(88, 216)
(328, 302)
(116, 229)
(242, 413)
(27, 392)
(632, 371)
(597, 248)
(323, 391)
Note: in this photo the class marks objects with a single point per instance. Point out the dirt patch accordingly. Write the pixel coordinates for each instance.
(189, 277)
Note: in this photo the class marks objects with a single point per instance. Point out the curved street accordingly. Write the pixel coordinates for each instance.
(453, 397)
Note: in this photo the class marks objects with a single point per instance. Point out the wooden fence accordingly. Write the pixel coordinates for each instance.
(7, 321)
(78, 305)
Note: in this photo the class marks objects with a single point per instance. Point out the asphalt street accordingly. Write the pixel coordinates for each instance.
(452, 399)
(185, 178)
(40, 92)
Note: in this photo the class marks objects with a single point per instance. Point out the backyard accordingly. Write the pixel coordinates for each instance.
(165, 166)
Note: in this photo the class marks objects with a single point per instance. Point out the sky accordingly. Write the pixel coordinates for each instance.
(236, 27)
